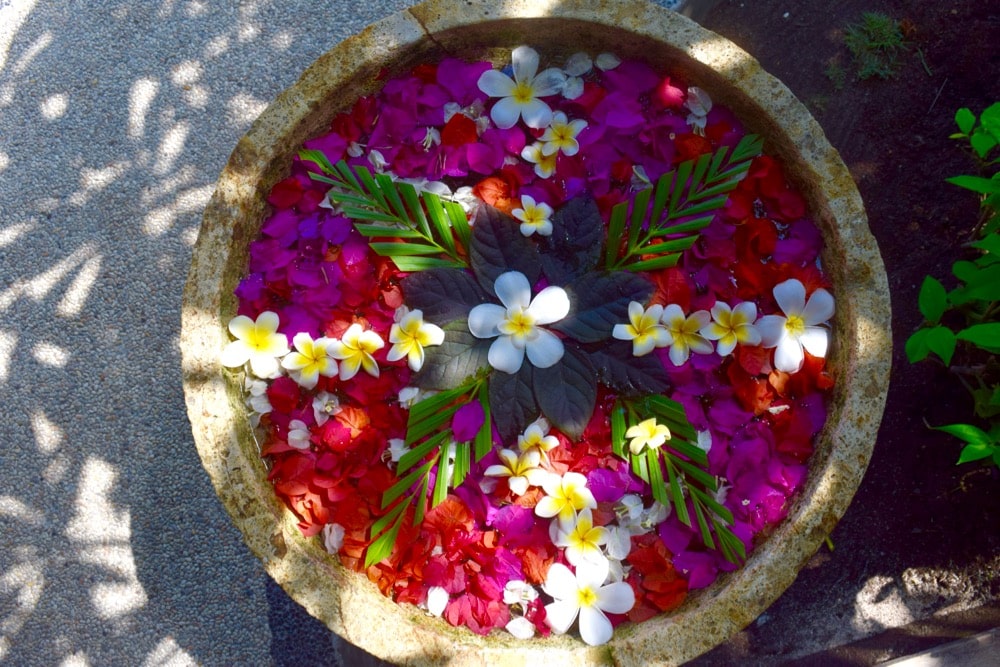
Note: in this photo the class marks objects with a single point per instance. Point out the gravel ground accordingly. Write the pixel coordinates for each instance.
(116, 117)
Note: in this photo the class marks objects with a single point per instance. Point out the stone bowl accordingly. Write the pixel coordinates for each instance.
(346, 601)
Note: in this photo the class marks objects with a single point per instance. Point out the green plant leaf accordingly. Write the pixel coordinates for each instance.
(966, 432)
(567, 392)
(916, 346)
(933, 299)
(941, 341)
(599, 301)
(976, 183)
(381, 547)
(989, 244)
(982, 142)
(460, 357)
(574, 248)
(512, 401)
(498, 247)
(982, 283)
(984, 336)
(443, 294)
(965, 120)
(987, 401)
(975, 452)
(627, 374)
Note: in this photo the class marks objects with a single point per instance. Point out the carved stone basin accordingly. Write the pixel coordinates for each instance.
(475, 29)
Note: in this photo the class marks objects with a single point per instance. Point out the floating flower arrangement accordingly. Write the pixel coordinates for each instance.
(536, 348)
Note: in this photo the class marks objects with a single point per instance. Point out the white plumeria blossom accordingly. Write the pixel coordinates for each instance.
(258, 342)
(580, 538)
(333, 537)
(521, 470)
(545, 165)
(564, 497)
(298, 434)
(355, 349)
(517, 323)
(257, 399)
(647, 434)
(324, 406)
(535, 217)
(520, 94)
(685, 332)
(619, 544)
(536, 437)
(576, 66)
(699, 104)
(437, 600)
(585, 594)
(560, 135)
(644, 329)
(730, 326)
(801, 327)
(410, 335)
(310, 359)
(636, 517)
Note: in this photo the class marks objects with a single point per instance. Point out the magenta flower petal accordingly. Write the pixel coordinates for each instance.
(467, 421)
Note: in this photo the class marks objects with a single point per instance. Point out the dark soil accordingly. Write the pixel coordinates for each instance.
(915, 511)
(915, 508)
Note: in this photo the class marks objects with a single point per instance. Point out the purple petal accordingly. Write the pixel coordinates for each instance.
(467, 421)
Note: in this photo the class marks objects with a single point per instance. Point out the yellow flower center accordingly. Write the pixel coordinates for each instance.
(523, 93)
(795, 325)
(586, 597)
(519, 325)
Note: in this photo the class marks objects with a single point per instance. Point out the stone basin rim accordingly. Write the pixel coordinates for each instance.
(347, 602)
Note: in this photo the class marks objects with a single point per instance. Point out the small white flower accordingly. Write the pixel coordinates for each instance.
(644, 329)
(536, 437)
(437, 600)
(521, 470)
(685, 332)
(310, 359)
(545, 165)
(580, 538)
(647, 434)
(409, 396)
(333, 537)
(519, 592)
(397, 449)
(324, 406)
(564, 497)
(258, 342)
(355, 349)
(517, 323)
(704, 442)
(431, 138)
(257, 398)
(561, 135)
(534, 217)
(410, 335)
(619, 543)
(802, 327)
(298, 434)
(377, 160)
(520, 94)
(585, 594)
(732, 326)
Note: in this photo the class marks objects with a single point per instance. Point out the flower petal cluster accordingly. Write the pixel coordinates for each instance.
(685, 332)
(258, 342)
(560, 135)
(520, 94)
(581, 539)
(586, 595)
(410, 335)
(536, 438)
(802, 326)
(517, 325)
(565, 496)
(521, 470)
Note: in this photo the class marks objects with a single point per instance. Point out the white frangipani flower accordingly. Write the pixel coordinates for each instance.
(534, 217)
(585, 594)
(355, 349)
(684, 332)
(699, 104)
(310, 359)
(545, 165)
(410, 335)
(644, 329)
(517, 323)
(561, 135)
(519, 592)
(257, 399)
(520, 95)
(564, 497)
(576, 66)
(647, 434)
(801, 327)
(298, 434)
(521, 470)
(536, 437)
(258, 342)
(580, 538)
(731, 326)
